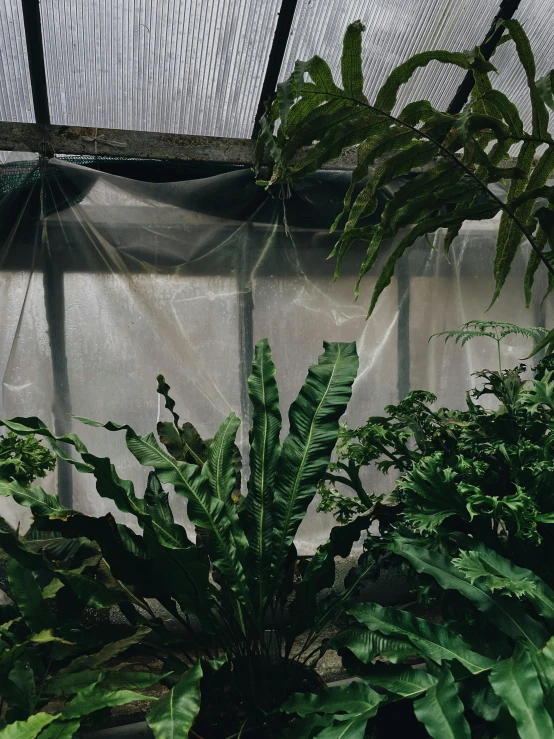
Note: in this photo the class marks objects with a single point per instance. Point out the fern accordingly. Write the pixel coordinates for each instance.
(451, 159)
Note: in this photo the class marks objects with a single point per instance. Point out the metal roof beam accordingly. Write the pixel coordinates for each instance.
(506, 11)
(276, 56)
(35, 56)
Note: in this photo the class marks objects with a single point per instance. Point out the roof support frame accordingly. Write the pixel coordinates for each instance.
(506, 11)
(35, 55)
(276, 56)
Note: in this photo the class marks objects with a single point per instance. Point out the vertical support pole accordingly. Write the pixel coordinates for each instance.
(54, 304)
(246, 321)
(403, 330)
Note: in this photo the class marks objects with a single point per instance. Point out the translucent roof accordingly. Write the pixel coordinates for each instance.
(185, 66)
(15, 84)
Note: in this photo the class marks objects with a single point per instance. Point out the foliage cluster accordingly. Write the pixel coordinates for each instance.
(452, 159)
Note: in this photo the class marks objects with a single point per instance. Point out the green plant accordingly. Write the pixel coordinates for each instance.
(56, 669)
(24, 459)
(461, 684)
(247, 605)
(451, 159)
(481, 474)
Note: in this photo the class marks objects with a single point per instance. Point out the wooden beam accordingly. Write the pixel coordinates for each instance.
(80, 141)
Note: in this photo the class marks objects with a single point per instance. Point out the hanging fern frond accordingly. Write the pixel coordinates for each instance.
(452, 159)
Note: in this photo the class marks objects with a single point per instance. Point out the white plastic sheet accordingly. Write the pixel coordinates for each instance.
(106, 282)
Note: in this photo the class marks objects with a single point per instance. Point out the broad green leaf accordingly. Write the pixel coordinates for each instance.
(442, 711)
(405, 682)
(351, 62)
(543, 661)
(516, 682)
(28, 729)
(320, 572)
(486, 564)
(23, 677)
(545, 86)
(108, 652)
(41, 503)
(204, 509)
(366, 645)
(28, 596)
(432, 640)
(173, 716)
(306, 451)
(507, 614)
(107, 680)
(220, 468)
(264, 453)
(94, 698)
(356, 698)
(386, 97)
(61, 729)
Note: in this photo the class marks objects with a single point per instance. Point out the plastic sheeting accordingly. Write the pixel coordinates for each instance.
(106, 282)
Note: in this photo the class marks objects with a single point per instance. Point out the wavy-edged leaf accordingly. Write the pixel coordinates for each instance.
(220, 466)
(264, 453)
(405, 682)
(156, 499)
(366, 645)
(306, 451)
(355, 699)
(28, 729)
(27, 594)
(61, 729)
(545, 87)
(486, 565)
(108, 652)
(172, 717)
(108, 680)
(386, 97)
(95, 697)
(442, 711)
(433, 640)
(204, 509)
(41, 503)
(516, 682)
(351, 62)
(320, 572)
(507, 614)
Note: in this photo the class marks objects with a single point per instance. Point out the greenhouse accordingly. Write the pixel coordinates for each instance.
(277, 361)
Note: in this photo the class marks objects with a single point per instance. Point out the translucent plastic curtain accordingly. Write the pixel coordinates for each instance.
(106, 282)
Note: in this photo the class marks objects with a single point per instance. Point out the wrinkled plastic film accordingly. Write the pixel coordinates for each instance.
(120, 280)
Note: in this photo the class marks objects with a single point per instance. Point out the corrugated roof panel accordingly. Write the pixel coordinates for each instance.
(15, 85)
(395, 31)
(176, 66)
(537, 18)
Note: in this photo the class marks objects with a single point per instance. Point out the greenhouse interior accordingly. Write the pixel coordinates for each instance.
(277, 360)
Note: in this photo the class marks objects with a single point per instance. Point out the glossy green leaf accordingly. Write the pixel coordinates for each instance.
(507, 614)
(28, 729)
(516, 682)
(173, 716)
(442, 711)
(219, 468)
(306, 451)
(28, 596)
(61, 729)
(264, 453)
(366, 645)
(432, 640)
(95, 697)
